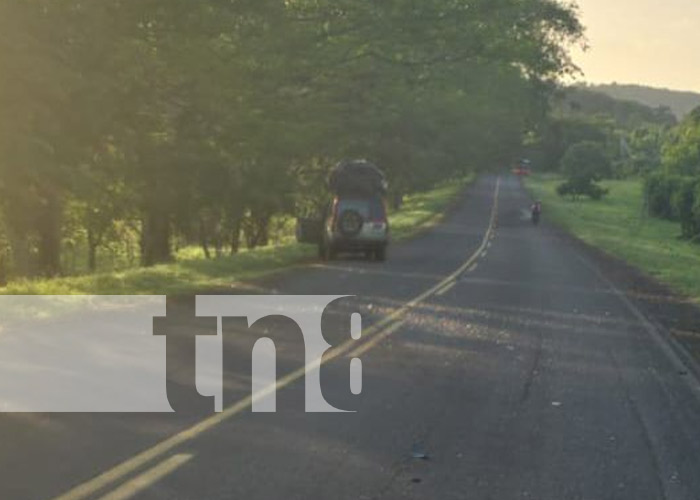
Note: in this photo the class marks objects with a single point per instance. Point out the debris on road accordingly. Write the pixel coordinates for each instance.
(419, 453)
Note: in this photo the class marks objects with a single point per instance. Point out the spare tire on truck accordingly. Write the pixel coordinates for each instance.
(350, 222)
(357, 177)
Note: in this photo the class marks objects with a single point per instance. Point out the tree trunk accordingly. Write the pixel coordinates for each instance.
(235, 236)
(49, 232)
(235, 241)
(20, 251)
(218, 238)
(203, 239)
(93, 243)
(234, 223)
(396, 200)
(249, 234)
(155, 238)
(92, 257)
(218, 245)
(3, 266)
(257, 232)
(262, 231)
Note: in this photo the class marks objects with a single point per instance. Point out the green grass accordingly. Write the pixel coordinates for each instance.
(192, 273)
(618, 225)
(186, 275)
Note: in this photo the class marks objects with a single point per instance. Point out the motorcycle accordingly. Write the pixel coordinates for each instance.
(536, 212)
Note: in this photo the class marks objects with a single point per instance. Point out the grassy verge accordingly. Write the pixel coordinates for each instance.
(618, 225)
(192, 273)
(420, 211)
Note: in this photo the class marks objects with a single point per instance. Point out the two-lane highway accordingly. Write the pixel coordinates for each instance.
(498, 362)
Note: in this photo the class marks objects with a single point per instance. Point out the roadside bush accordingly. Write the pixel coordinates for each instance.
(659, 188)
(683, 202)
(584, 164)
(676, 198)
(695, 214)
(581, 187)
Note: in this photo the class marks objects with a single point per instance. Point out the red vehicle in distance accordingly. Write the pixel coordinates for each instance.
(523, 168)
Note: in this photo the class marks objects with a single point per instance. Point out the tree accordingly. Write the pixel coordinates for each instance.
(644, 145)
(681, 150)
(584, 165)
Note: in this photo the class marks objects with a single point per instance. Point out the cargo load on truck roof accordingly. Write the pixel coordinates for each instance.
(357, 177)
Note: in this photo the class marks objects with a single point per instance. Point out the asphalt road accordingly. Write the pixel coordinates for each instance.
(529, 376)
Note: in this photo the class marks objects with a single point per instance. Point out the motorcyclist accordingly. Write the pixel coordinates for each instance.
(536, 211)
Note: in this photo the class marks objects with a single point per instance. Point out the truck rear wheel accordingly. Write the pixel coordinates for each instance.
(380, 254)
(326, 252)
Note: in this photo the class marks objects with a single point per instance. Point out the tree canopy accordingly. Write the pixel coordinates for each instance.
(681, 151)
(168, 122)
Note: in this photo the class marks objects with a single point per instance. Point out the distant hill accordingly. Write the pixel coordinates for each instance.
(630, 114)
(680, 102)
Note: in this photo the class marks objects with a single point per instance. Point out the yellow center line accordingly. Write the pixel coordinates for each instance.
(446, 288)
(149, 478)
(380, 330)
(375, 340)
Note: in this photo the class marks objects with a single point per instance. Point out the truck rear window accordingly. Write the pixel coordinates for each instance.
(369, 208)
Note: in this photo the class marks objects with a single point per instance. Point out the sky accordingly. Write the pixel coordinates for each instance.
(648, 42)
